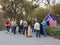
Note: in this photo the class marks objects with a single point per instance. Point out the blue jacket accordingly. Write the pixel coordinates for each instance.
(44, 24)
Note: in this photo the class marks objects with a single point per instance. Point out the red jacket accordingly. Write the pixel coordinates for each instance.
(8, 23)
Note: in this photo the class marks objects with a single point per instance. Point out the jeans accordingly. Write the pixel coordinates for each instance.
(25, 30)
(44, 31)
(12, 29)
(32, 28)
(20, 29)
(8, 28)
(37, 33)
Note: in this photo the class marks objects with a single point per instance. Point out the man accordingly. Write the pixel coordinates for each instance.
(25, 26)
(32, 26)
(21, 26)
(44, 23)
(37, 28)
(18, 24)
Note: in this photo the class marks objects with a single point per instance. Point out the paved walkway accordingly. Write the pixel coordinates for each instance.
(11, 39)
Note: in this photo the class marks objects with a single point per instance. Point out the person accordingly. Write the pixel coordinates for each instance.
(44, 23)
(25, 26)
(14, 26)
(21, 26)
(18, 24)
(41, 29)
(29, 29)
(32, 26)
(37, 28)
(8, 24)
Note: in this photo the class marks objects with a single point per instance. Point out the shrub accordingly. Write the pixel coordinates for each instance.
(53, 31)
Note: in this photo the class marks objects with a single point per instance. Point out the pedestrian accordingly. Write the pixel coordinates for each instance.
(14, 26)
(44, 23)
(29, 29)
(41, 29)
(8, 24)
(25, 27)
(37, 28)
(21, 26)
(32, 26)
(18, 25)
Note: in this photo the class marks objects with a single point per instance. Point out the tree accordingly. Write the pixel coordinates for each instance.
(14, 8)
(40, 13)
(56, 11)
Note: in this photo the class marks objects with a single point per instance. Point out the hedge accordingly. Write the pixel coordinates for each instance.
(53, 31)
(2, 27)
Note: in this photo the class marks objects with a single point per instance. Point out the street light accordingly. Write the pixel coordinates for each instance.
(1, 8)
(1, 11)
(57, 26)
(23, 10)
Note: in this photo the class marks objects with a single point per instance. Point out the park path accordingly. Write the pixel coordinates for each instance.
(11, 39)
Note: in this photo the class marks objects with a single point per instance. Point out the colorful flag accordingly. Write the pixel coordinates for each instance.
(48, 17)
(52, 20)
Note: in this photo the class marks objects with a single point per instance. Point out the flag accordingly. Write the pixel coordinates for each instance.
(48, 17)
(53, 21)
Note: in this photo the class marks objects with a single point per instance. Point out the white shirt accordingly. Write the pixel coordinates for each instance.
(25, 24)
(21, 22)
(37, 26)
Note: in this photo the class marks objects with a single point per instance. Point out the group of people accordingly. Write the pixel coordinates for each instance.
(24, 26)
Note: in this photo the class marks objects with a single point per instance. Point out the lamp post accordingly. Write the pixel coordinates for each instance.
(23, 10)
(1, 16)
(57, 26)
(57, 16)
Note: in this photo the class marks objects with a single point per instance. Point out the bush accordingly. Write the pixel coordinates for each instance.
(2, 27)
(53, 31)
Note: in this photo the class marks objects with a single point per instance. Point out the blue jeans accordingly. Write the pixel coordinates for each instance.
(8, 28)
(44, 31)
(25, 29)
(37, 33)
(12, 29)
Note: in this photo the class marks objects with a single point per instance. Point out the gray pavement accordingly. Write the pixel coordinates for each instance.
(11, 39)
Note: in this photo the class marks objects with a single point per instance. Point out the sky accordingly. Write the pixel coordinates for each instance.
(58, 1)
(42, 5)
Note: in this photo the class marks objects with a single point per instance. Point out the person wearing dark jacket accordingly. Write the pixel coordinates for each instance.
(18, 24)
